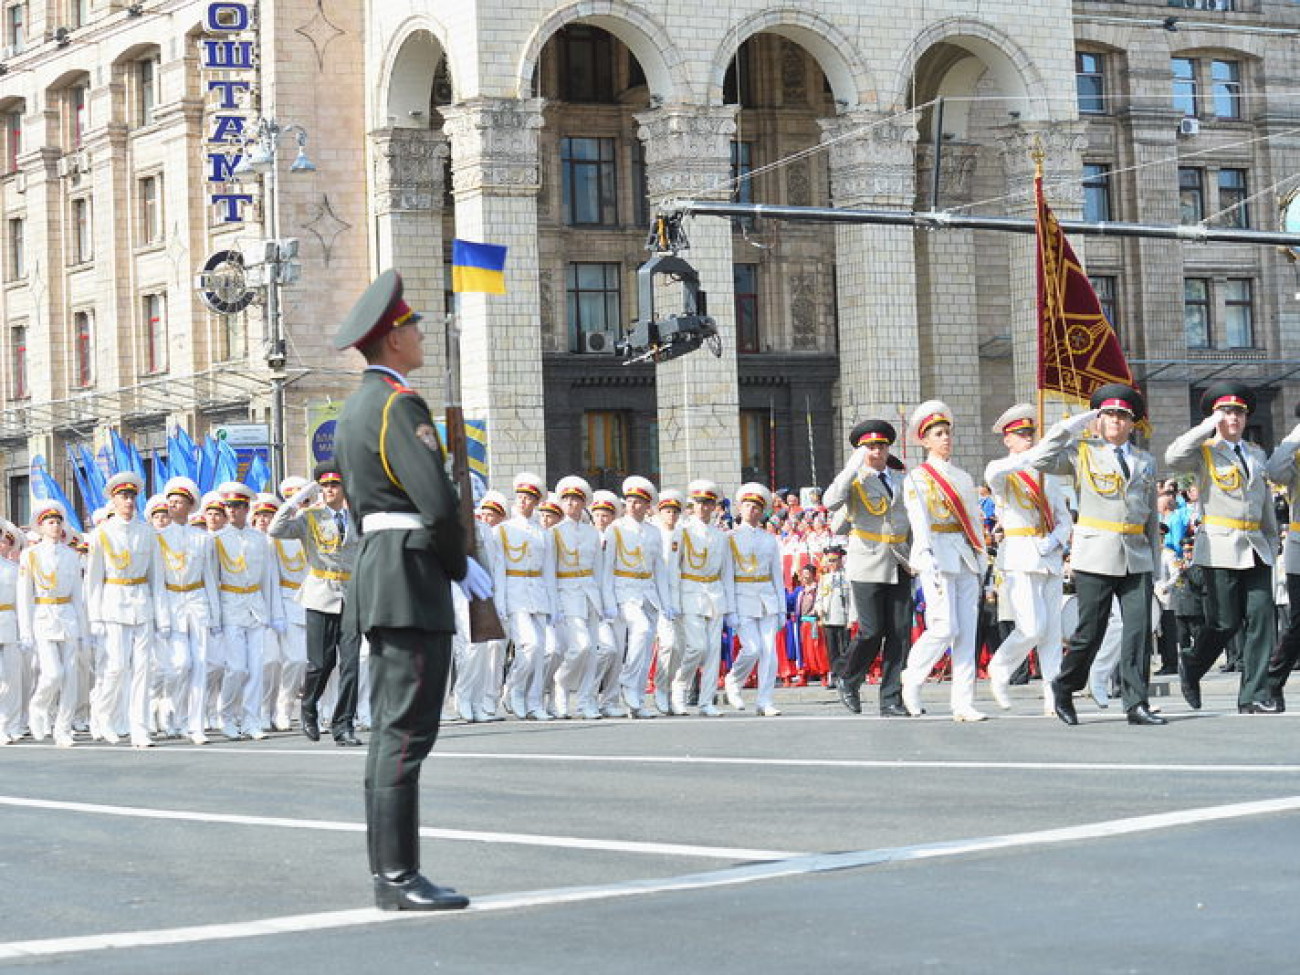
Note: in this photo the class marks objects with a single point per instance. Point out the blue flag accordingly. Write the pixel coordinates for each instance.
(45, 487)
(207, 465)
(227, 465)
(259, 475)
(161, 473)
(125, 456)
(182, 455)
(96, 490)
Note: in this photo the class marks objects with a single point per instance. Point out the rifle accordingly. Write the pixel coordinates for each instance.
(484, 622)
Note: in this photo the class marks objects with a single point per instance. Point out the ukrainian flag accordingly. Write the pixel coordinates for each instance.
(478, 267)
(475, 444)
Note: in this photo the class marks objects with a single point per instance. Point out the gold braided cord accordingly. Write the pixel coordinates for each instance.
(629, 557)
(1229, 482)
(326, 545)
(120, 558)
(232, 566)
(290, 564)
(939, 506)
(877, 508)
(511, 550)
(175, 561)
(745, 566)
(565, 556)
(45, 581)
(695, 559)
(1101, 483)
(1020, 494)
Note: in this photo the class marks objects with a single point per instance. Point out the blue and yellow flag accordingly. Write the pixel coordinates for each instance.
(475, 444)
(478, 267)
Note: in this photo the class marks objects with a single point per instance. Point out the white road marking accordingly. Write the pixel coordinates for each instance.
(463, 835)
(750, 873)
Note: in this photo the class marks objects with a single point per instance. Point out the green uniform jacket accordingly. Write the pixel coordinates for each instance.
(391, 461)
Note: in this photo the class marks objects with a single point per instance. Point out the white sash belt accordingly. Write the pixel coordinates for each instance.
(391, 521)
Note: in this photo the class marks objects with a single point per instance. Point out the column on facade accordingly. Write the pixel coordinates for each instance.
(1060, 145)
(409, 184)
(496, 177)
(872, 166)
(688, 155)
(1279, 287)
(111, 194)
(948, 320)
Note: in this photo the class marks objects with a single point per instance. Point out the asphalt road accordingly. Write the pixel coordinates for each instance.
(813, 841)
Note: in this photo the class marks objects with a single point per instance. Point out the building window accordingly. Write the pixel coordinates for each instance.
(151, 217)
(83, 233)
(1204, 4)
(640, 186)
(1239, 313)
(1225, 88)
(1090, 82)
(16, 27)
(154, 333)
(746, 290)
(146, 82)
(590, 197)
(742, 165)
(593, 306)
(737, 83)
(83, 349)
(1196, 312)
(756, 445)
(20, 498)
(13, 136)
(1106, 287)
(1191, 195)
(1096, 192)
(1185, 85)
(78, 13)
(1234, 209)
(76, 116)
(18, 363)
(16, 265)
(586, 64)
(604, 445)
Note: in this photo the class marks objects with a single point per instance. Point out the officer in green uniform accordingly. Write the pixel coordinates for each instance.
(412, 546)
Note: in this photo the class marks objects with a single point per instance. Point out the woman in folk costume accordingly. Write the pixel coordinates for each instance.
(812, 640)
(11, 650)
(948, 555)
(52, 617)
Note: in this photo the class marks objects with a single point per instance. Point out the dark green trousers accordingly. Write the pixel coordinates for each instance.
(1093, 595)
(1237, 599)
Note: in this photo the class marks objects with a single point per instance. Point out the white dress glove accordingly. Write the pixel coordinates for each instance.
(477, 583)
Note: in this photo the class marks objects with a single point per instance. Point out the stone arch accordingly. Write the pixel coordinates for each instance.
(660, 58)
(406, 74)
(1013, 72)
(835, 53)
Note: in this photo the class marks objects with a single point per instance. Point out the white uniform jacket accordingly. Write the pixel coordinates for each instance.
(247, 579)
(291, 572)
(1237, 519)
(8, 602)
(756, 571)
(1028, 545)
(938, 541)
(877, 522)
(50, 603)
(331, 553)
(189, 569)
(1117, 531)
(124, 577)
(636, 558)
(525, 573)
(1283, 470)
(670, 540)
(582, 578)
(705, 570)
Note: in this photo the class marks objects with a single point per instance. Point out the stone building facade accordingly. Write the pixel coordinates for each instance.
(555, 129)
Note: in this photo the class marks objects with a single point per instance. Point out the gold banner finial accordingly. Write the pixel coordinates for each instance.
(1038, 154)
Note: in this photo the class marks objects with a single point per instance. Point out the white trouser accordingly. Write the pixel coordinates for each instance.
(58, 680)
(241, 687)
(668, 658)
(599, 686)
(702, 651)
(951, 614)
(757, 635)
(491, 662)
(283, 667)
(580, 636)
(641, 618)
(128, 648)
(1036, 606)
(1107, 659)
(526, 681)
(171, 679)
(200, 647)
(466, 686)
(11, 689)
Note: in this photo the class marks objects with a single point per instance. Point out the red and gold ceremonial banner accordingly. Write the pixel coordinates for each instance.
(1078, 351)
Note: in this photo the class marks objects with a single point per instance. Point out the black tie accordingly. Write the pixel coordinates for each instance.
(341, 520)
(1123, 464)
(1241, 458)
(884, 483)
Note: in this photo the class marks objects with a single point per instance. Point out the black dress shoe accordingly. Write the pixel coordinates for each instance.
(894, 711)
(1259, 707)
(347, 739)
(310, 727)
(1141, 714)
(850, 695)
(1063, 704)
(416, 893)
(1191, 689)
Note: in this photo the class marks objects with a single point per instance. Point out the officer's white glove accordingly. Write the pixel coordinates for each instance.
(1075, 424)
(304, 497)
(1295, 433)
(477, 583)
(1046, 545)
(609, 615)
(731, 621)
(279, 626)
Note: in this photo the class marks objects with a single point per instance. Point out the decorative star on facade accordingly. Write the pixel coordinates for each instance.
(320, 31)
(326, 226)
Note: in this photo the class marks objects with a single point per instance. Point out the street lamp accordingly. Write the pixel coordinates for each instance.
(260, 158)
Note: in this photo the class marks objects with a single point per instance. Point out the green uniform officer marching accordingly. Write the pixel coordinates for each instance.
(412, 546)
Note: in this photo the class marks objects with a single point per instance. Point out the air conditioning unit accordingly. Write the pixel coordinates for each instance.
(20, 182)
(1189, 126)
(64, 166)
(598, 342)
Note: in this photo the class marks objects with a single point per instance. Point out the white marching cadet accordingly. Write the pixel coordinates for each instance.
(598, 691)
(668, 655)
(708, 596)
(285, 654)
(12, 663)
(759, 601)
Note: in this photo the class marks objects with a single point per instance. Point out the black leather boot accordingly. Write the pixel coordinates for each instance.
(399, 885)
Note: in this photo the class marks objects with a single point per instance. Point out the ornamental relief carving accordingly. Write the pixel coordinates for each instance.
(798, 186)
(870, 161)
(1061, 145)
(957, 166)
(803, 310)
(494, 144)
(688, 151)
(409, 165)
